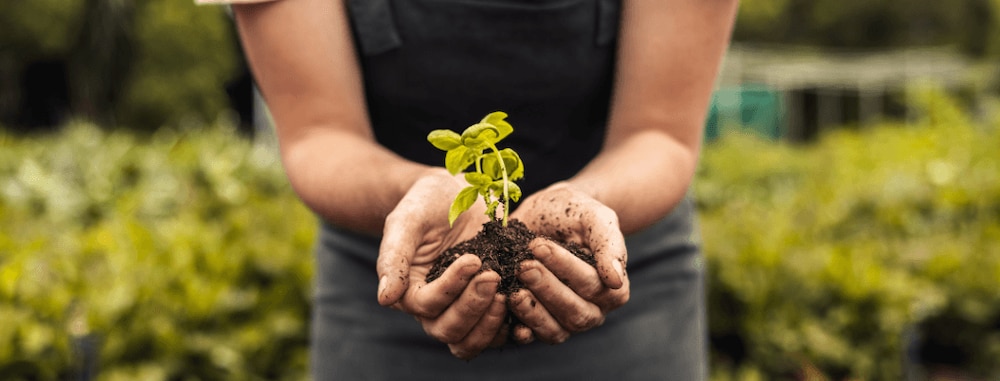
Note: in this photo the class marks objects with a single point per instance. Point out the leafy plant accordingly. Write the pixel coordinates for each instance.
(496, 169)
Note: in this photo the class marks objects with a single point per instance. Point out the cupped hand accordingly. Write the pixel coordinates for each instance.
(461, 308)
(562, 294)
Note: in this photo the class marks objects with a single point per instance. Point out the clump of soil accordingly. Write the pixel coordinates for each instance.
(501, 249)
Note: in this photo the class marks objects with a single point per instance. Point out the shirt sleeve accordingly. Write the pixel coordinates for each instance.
(230, 1)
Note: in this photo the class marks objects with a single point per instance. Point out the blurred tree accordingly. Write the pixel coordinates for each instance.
(185, 56)
(972, 25)
(40, 32)
(101, 58)
(137, 64)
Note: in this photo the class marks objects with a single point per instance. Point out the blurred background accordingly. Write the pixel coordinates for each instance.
(849, 195)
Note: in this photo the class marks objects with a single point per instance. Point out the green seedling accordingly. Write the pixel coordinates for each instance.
(496, 169)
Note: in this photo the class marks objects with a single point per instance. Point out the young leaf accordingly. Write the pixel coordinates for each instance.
(513, 190)
(458, 159)
(511, 160)
(491, 209)
(466, 197)
(515, 168)
(478, 180)
(445, 140)
(479, 135)
(491, 167)
(497, 119)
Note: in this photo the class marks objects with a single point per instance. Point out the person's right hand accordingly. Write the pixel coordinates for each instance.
(462, 307)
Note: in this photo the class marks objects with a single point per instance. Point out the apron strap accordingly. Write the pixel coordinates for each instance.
(374, 25)
(608, 14)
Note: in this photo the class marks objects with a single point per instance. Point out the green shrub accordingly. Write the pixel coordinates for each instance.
(184, 254)
(823, 258)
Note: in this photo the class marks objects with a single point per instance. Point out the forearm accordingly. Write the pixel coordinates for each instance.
(305, 64)
(641, 178)
(349, 180)
(669, 55)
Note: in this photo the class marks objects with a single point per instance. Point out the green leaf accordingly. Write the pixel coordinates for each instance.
(466, 197)
(458, 159)
(478, 136)
(514, 191)
(491, 209)
(491, 167)
(515, 168)
(478, 180)
(445, 140)
(497, 120)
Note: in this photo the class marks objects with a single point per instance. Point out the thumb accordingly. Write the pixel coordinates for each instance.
(399, 242)
(608, 244)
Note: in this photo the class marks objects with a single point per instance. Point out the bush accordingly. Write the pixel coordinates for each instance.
(832, 258)
(181, 255)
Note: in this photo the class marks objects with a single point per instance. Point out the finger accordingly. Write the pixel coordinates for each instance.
(523, 335)
(429, 299)
(534, 316)
(501, 337)
(484, 332)
(605, 239)
(400, 239)
(562, 303)
(580, 276)
(461, 316)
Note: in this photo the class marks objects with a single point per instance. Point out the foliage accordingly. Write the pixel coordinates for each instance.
(832, 258)
(184, 255)
(496, 170)
(186, 56)
(39, 28)
(161, 61)
(973, 25)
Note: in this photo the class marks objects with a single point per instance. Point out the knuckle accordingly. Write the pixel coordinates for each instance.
(615, 300)
(395, 217)
(585, 321)
(447, 335)
(463, 352)
(556, 338)
(591, 290)
(421, 311)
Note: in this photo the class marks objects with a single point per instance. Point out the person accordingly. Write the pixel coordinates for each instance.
(607, 99)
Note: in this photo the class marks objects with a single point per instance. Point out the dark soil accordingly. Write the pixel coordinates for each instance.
(501, 250)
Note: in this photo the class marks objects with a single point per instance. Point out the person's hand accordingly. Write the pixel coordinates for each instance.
(461, 308)
(563, 294)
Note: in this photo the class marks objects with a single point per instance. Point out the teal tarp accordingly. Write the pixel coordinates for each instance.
(753, 109)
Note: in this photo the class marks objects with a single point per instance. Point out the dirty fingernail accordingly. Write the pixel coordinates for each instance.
(382, 286)
(542, 250)
(619, 270)
(470, 269)
(486, 288)
(531, 276)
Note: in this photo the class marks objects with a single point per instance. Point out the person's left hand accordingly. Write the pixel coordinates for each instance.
(563, 294)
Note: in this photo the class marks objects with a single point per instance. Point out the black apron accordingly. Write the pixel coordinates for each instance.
(430, 64)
